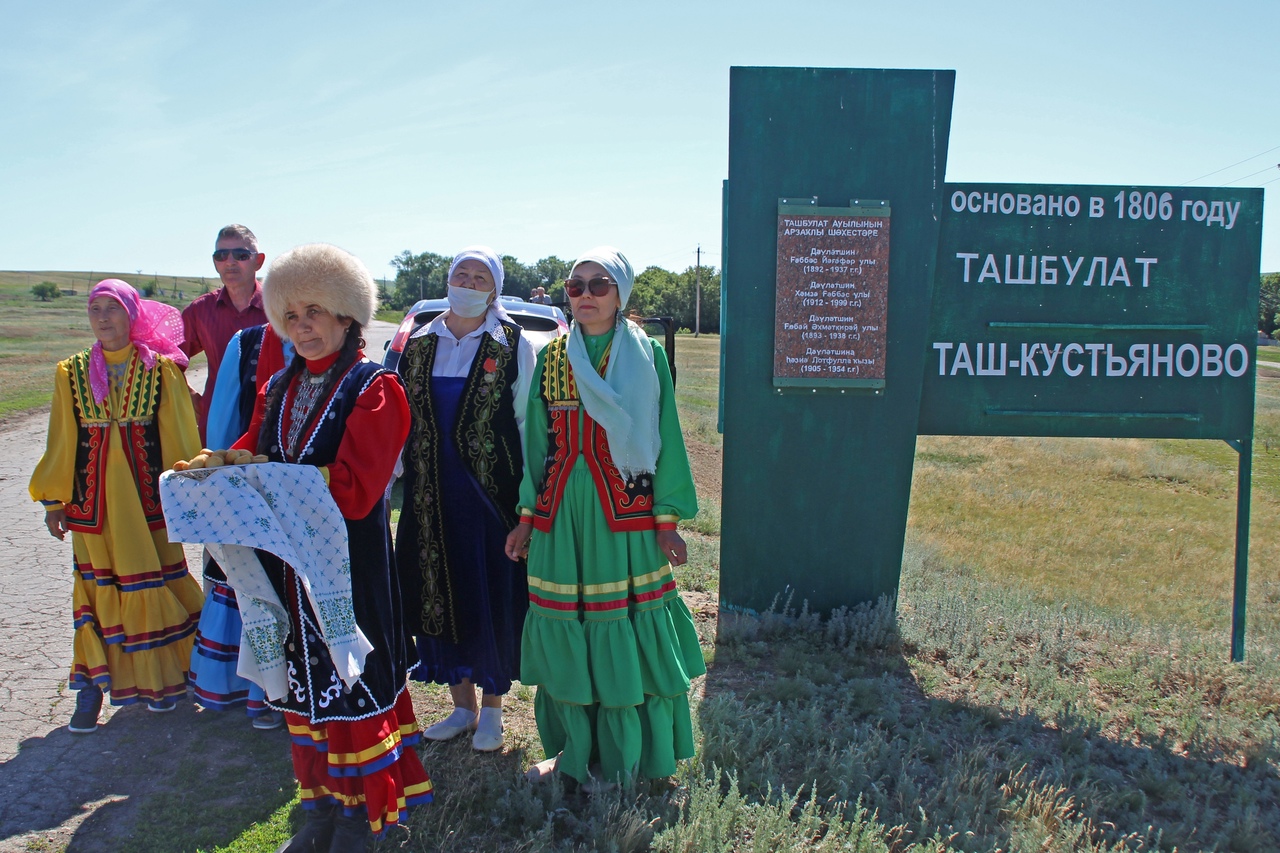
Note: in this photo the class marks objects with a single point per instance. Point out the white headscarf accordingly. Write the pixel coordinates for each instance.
(496, 309)
(625, 400)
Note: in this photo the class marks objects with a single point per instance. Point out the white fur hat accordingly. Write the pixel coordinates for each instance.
(320, 274)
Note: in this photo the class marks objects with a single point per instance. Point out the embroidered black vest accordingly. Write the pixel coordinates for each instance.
(375, 589)
(627, 503)
(250, 349)
(487, 439)
(320, 446)
(139, 436)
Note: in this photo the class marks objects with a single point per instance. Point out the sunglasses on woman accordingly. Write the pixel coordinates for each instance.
(239, 254)
(598, 286)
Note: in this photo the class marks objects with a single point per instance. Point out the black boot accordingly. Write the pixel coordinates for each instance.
(349, 834)
(315, 834)
(88, 709)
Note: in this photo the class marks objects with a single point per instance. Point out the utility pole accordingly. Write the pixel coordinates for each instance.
(697, 286)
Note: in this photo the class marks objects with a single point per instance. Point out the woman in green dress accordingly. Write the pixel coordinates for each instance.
(608, 640)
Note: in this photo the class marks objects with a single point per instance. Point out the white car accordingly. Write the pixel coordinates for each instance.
(541, 323)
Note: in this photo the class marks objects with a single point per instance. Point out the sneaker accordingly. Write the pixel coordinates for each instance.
(162, 706)
(268, 721)
(88, 707)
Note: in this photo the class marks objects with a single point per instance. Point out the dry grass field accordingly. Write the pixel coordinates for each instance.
(1134, 526)
(35, 335)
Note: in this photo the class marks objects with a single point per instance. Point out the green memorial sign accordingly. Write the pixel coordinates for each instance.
(1110, 311)
(1094, 311)
(817, 465)
(995, 309)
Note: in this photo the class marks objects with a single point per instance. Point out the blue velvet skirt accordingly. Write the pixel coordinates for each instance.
(491, 592)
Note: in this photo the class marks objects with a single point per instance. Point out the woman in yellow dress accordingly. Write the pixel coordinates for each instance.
(122, 415)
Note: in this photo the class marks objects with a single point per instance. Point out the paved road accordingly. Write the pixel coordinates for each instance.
(36, 635)
(35, 597)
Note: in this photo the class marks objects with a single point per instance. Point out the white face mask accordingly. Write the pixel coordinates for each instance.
(466, 302)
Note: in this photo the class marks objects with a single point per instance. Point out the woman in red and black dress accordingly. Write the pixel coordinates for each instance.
(335, 409)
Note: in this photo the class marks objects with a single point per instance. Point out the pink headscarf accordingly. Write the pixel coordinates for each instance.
(154, 329)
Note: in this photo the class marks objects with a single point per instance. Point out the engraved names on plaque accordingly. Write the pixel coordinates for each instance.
(832, 295)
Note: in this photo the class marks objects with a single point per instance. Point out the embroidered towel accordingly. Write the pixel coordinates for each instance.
(287, 511)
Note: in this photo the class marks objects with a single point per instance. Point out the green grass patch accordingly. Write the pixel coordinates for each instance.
(267, 834)
(33, 338)
(959, 460)
(36, 335)
(1144, 527)
(697, 386)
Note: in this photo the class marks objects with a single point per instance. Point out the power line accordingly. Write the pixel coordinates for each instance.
(1232, 166)
(665, 255)
(1245, 177)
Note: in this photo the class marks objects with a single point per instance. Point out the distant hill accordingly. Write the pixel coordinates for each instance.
(177, 289)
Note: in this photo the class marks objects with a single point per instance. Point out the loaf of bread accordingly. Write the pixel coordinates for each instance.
(207, 458)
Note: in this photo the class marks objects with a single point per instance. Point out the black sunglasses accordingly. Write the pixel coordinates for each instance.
(239, 254)
(598, 286)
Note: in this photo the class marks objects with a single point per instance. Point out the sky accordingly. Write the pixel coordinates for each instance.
(132, 131)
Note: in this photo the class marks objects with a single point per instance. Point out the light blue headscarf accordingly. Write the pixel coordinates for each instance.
(625, 400)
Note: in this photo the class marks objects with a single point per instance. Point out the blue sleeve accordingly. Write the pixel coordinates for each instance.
(224, 409)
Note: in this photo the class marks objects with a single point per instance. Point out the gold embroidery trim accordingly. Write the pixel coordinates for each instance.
(601, 588)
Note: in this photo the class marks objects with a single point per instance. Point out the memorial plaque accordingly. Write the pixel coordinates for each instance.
(832, 295)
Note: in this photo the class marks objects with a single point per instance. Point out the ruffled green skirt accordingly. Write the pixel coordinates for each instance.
(609, 643)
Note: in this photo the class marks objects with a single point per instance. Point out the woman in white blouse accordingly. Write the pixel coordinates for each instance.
(467, 377)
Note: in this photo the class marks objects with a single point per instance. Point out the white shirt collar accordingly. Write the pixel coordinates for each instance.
(492, 324)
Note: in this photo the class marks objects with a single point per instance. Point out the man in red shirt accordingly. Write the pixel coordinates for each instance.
(211, 320)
